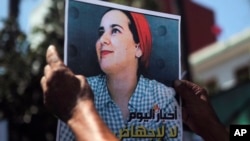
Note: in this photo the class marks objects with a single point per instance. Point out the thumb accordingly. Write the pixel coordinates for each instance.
(52, 57)
(182, 89)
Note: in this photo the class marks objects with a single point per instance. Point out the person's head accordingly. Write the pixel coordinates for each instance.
(124, 40)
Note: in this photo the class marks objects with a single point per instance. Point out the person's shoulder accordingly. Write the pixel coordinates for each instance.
(94, 79)
(160, 93)
(154, 83)
(159, 88)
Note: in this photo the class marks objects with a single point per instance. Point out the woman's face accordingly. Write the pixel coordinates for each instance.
(115, 47)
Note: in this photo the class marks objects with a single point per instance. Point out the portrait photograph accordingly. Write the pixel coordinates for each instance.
(130, 58)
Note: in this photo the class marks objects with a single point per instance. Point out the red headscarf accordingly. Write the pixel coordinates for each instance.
(145, 37)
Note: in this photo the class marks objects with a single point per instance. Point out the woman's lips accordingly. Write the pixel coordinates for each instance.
(105, 52)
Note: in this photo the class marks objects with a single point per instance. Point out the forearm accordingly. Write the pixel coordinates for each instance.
(215, 132)
(87, 125)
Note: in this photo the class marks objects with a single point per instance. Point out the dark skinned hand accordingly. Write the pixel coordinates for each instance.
(197, 112)
(62, 89)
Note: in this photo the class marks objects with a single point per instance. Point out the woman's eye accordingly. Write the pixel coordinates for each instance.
(100, 32)
(115, 31)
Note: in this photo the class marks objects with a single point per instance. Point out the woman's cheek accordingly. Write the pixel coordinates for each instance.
(98, 48)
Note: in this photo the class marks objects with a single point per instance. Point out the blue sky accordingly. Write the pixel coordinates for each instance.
(26, 8)
(232, 16)
(3, 11)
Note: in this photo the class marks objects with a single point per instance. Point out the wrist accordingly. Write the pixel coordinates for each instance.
(80, 112)
(86, 123)
(79, 121)
(215, 132)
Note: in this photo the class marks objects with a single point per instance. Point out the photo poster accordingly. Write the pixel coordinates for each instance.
(82, 21)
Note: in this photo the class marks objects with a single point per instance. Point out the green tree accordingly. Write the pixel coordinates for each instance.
(21, 68)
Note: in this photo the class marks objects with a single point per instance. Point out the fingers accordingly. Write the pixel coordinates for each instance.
(197, 90)
(52, 57)
(47, 72)
(189, 90)
(53, 68)
(43, 84)
(183, 89)
(81, 79)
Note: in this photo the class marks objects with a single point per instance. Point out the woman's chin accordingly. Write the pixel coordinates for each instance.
(106, 68)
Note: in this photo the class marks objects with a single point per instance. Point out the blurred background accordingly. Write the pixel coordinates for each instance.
(215, 41)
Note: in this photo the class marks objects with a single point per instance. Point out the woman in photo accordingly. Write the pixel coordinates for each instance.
(123, 97)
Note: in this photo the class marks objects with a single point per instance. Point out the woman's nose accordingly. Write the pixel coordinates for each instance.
(105, 38)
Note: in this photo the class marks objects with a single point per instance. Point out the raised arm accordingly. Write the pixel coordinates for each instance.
(70, 98)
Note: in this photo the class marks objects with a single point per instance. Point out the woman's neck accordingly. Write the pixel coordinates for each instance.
(121, 86)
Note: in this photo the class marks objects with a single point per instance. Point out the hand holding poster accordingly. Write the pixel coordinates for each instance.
(130, 57)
